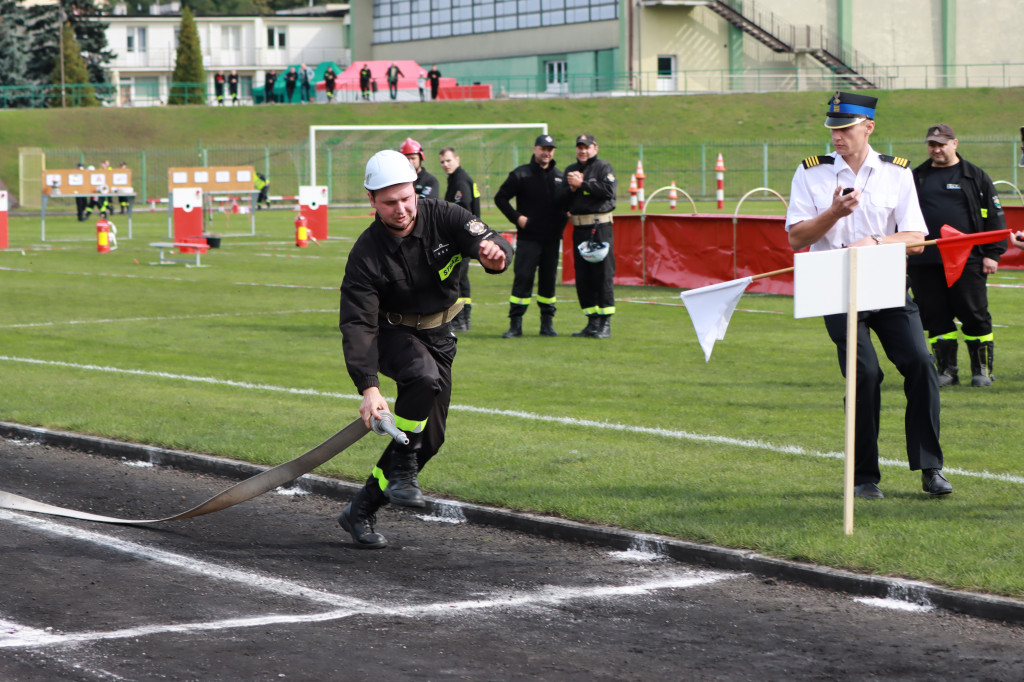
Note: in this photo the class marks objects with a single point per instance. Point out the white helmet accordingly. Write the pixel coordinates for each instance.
(593, 251)
(388, 168)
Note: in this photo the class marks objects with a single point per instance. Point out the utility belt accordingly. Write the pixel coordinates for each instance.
(417, 321)
(588, 219)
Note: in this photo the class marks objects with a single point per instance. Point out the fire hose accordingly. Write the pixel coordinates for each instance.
(242, 491)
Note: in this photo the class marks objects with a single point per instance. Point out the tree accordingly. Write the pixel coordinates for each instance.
(188, 83)
(13, 45)
(72, 73)
(42, 27)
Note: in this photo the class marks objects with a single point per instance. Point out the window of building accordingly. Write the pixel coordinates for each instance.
(136, 39)
(277, 37)
(401, 20)
(231, 38)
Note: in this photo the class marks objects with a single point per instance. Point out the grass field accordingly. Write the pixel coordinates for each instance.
(742, 119)
(243, 359)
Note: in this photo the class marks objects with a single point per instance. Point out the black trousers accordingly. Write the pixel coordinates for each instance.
(902, 337)
(966, 300)
(421, 365)
(534, 258)
(595, 282)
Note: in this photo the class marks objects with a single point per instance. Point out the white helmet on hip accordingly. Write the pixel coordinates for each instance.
(592, 251)
(387, 168)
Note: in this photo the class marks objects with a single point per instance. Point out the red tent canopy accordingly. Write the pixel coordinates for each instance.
(349, 78)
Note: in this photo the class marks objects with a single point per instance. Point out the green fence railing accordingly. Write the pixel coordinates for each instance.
(340, 162)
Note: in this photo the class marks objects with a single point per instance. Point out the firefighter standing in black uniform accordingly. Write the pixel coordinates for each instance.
(426, 185)
(953, 191)
(462, 191)
(397, 300)
(218, 87)
(541, 194)
(592, 183)
(233, 87)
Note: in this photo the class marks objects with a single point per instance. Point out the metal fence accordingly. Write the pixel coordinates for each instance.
(533, 86)
(340, 163)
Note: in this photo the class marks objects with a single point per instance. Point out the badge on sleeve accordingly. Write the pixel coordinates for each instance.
(476, 228)
(610, 177)
(458, 196)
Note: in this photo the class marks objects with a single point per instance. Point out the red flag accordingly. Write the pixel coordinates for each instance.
(955, 247)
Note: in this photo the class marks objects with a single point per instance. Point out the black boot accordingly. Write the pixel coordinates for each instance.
(547, 325)
(604, 327)
(945, 361)
(359, 517)
(590, 329)
(403, 482)
(982, 353)
(466, 324)
(515, 328)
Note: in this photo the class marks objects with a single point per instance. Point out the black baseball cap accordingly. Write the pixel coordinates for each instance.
(585, 140)
(544, 141)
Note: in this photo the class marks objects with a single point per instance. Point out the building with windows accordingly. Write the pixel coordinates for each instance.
(588, 47)
(146, 47)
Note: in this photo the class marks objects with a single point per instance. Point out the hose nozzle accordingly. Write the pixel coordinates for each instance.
(385, 426)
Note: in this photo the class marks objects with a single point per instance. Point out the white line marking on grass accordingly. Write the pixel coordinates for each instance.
(519, 414)
(164, 318)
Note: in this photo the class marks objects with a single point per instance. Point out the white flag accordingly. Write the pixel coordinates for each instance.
(711, 307)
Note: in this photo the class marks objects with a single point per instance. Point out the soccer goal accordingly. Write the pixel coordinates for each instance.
(338, 153)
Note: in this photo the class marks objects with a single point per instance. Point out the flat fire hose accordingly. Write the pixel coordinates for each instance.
(240, 492)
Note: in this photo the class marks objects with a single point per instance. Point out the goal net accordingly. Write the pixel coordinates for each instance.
(338, 153)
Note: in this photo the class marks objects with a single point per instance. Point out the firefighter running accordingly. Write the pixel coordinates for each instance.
(398, 298)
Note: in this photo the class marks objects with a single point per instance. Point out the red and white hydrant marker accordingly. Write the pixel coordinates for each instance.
(673, 195)
(720, 179)
(632, 192)
(640, 183)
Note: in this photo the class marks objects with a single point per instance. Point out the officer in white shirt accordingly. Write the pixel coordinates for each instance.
(858, 197)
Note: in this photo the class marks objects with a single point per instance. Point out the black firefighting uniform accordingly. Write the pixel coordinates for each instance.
(595, 286)
(463, 191)
(388, 278)
(961, 196)
(218, 87)
(426, 185)
(541, 195)
(233, 87)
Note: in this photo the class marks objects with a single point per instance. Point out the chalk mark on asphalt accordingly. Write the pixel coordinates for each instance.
(14, 635)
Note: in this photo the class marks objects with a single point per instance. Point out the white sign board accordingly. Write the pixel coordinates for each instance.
(821, 280)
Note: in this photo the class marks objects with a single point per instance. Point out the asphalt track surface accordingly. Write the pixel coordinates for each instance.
(273, 590)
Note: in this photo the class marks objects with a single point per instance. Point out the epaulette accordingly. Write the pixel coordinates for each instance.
(812, 161)
(898, 160)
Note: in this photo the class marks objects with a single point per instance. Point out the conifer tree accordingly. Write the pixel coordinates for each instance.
(42, 24)
(13, 44)
(75, 73)
(188, 83)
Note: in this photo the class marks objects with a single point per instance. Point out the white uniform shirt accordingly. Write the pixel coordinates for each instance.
(888, 202)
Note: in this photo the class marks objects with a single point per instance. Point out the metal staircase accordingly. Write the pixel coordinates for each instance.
(781, 36)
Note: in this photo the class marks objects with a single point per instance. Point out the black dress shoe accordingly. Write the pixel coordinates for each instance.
(934, 483)
(869, 491)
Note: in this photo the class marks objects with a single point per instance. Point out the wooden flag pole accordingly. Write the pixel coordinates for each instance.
(851, 393)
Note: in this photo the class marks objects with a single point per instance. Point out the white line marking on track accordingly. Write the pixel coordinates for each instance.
(179, 561)
(527, 416)
(13, 635)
